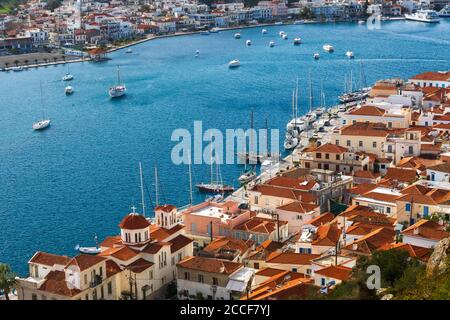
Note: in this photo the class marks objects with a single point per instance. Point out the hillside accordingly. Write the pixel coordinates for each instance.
(6, 6)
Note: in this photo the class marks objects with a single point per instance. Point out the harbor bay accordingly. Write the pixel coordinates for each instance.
(62, 186)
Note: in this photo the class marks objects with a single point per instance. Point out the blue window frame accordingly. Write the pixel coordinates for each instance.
(322, 281)
(426, 211)
(408, 207)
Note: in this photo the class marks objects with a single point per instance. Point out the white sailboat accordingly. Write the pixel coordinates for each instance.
(216, 185)
(118, 90)
(67, 76)
(234, 63)
(44, 123)
(89, 250)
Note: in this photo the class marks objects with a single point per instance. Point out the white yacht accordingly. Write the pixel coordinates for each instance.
(290, 143)
(328, 47)
(349, 54)
(237, 35)
(234, 63)
(445, 12)
(264, 31)
(68, 90)
(271, 44)
(429, 16)
(316, 56)
(42, 124)
(119, 89)
(248, 42)
(297, 41)
(68, 76)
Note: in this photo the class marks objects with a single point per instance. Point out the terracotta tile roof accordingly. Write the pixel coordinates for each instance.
(270, 245)
(160, 234)
(210, 265)
(417, 198)
(269, 272)
(378, 196)
(402, 175)
(366, 129)
(327, 235)
(154, 247)
(335, 272)
(259, 225)
(443, 167)
(320, 220)
(111, 268)
(368, 111)
(85, 261)
(134, 221)
(427, 229)
(111, 241)
(227, 243)
(434, 148)
(165, 208)
(329, 148)
(49, 259)
(281, 192)
(55, 283)
(420, 253)
(179, 242)
(123, 253)
(292, 183)
(291, 258)
(366, 174)
(372, 241)
(433, 76)
(362, 188)
(298, 207)
(139, 265)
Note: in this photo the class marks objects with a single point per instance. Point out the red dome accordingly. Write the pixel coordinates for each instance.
(134, 221)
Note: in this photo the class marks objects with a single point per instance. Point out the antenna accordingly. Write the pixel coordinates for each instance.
(142, 188)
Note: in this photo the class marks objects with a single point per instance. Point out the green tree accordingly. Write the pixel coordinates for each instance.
(7, 279)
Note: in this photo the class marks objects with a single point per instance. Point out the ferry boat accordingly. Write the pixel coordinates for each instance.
(118, 90)
(445, 12)
(234, 63)
(328, 47)
(316, 56)
(349, 54)
(429, 16)
(248, 42)
(297, 41)
(68, 90)
(271, 44)
(237, 35)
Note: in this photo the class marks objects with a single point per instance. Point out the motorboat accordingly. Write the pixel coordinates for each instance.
(328, 47)
(429, 16)
(264, 31)
(299, 21)
(17, 69)
(316, 56)
(197, 53)
(68, 90)
(361, 22)
(349, 54)
(214, 30)
(119, 89)
(445, 12)
(271, 44)
(237, 35)
(41, 125)
(234, 63)
(290, 144)
(88, 250)
(67, 77)
(297, 41)
(248, 42)
(281, 33)
(278, 23)
(284, 36)
(214, 198)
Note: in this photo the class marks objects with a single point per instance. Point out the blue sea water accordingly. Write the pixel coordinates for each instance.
(61, 186)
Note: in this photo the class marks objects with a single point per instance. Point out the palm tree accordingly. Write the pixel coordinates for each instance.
(7, 279)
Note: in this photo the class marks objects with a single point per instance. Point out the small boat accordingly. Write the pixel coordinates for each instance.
(247, 176)
(290, 144)
(361, 22)
(67, 77)
(42, 124)
(328, 47)
(234, 63)
(214, 188)
(299, 21)
(118, 90)
(237, 35)
(349, 54)
(297, 41)
(278, 23)
(214, 198)
(316, 56)
(17, 69)
(88, 250)
(129, 50)
(281, 33)
(205, 33)
(68, 90)
(271, 44)
(214, 30)
(284, 36)
(248, 42)
(197, 53)
(429, 16)
(264, 31)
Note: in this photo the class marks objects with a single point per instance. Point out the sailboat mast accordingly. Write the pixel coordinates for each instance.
(156, 187)
(42, 100)
(142, 188)
(191, 202)
(118, 75)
